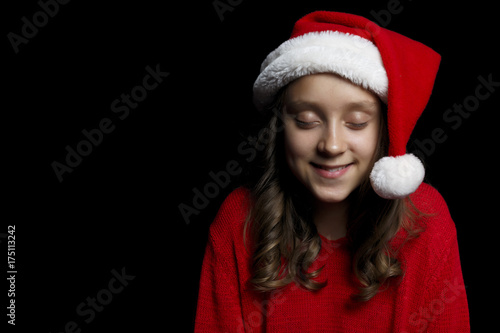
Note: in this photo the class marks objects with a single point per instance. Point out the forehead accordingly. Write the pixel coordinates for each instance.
(329, 91)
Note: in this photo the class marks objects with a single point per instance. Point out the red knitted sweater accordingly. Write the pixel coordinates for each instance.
(429, 298)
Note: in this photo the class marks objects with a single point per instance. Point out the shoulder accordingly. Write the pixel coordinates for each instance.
(232, 214)
(427, 199)
(434, 218)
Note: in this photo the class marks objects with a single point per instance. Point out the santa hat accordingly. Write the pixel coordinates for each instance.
(399, 70)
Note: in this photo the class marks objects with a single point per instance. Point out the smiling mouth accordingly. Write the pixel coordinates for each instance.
(333, 168)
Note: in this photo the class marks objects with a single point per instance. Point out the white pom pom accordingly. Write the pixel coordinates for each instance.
(397, 177)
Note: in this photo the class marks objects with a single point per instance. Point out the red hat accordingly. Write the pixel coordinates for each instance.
(399, 70)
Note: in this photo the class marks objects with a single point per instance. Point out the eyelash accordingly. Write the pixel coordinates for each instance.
(358, 125)
(305, 124)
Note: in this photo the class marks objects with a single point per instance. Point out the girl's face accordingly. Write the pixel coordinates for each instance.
(331, 134)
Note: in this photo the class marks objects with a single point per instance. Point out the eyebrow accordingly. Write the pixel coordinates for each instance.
(361, 105)
(349, 106)
(301, 103)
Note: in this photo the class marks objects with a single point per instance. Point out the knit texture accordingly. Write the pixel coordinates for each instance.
(430, 297)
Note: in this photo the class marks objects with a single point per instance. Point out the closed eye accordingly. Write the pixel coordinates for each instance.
(357, 125)
(305, 124)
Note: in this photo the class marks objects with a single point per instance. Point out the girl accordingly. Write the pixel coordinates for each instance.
(338, 233)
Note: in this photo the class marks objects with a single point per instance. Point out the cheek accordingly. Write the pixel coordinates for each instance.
(365, 144)
(299, 146)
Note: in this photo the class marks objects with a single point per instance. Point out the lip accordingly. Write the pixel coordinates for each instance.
(320, 169)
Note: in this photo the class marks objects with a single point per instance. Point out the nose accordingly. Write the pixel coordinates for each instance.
(332, 142)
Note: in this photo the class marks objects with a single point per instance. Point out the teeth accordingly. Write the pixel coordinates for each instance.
(336, 169)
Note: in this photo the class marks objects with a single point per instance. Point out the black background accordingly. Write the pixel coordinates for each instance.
(119, 207)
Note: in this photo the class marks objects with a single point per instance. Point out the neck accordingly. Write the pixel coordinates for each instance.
(331, 218)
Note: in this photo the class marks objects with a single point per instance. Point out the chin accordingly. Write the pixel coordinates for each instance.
(333, 194)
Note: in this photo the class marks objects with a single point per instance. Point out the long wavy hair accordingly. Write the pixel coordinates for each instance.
(285, 239)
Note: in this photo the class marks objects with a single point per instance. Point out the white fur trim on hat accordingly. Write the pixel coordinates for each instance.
(396, 177)
(352, 57)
